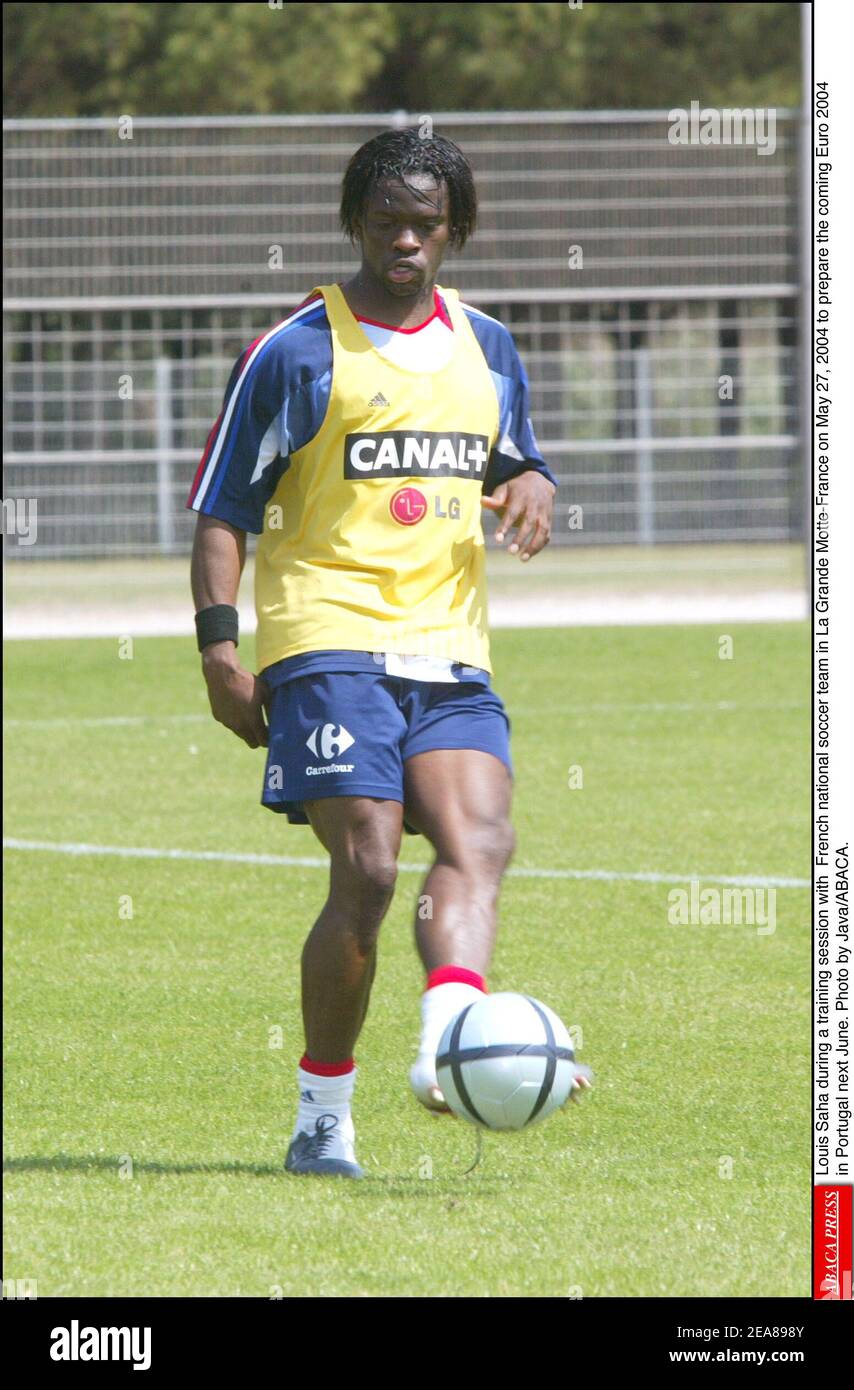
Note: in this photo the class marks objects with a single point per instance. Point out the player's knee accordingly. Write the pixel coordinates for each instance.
(491, 845)
(367, 880)
(377, 876)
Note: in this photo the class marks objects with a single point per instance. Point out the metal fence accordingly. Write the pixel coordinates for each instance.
(651, 289)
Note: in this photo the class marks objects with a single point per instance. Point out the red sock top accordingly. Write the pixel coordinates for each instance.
(455, 975)
(327, 1068)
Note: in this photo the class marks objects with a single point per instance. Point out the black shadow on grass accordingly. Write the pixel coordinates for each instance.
(450, 1185)
(84, 1163)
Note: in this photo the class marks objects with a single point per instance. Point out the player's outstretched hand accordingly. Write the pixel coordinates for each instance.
(237, 697)
(525, 502)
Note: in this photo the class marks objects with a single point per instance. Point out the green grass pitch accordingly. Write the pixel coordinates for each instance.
(148, 1101)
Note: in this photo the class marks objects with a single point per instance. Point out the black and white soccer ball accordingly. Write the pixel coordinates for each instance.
(505, 1062)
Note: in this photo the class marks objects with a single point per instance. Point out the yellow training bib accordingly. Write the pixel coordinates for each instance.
(372, 540)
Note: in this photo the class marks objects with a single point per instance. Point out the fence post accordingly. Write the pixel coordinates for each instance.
(644, 473)
(163, 412)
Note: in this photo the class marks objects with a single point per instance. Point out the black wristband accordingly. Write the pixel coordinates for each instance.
(216, 624)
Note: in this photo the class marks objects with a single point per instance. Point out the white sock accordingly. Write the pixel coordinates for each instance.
(325, 1095)
(438, 1006)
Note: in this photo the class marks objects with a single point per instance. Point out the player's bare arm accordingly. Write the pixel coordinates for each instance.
(236, 695)
(526, 503)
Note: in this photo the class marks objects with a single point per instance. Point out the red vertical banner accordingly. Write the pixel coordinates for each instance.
(832, 1233)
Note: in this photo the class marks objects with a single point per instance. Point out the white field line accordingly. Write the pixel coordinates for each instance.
(135, 720)
(305, 862)
(107, 721)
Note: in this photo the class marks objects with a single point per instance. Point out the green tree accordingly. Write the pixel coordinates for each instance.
(190, 59)
(549, 57)
(173, 59)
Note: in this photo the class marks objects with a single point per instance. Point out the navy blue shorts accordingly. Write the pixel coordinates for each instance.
(348, 733)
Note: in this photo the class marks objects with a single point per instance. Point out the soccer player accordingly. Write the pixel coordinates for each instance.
(360, 438)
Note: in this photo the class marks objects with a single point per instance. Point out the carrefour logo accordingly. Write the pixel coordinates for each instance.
(423, 454)
(334, 740)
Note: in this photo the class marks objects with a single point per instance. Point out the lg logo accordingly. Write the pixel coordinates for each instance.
(409, 506)
(334, 740)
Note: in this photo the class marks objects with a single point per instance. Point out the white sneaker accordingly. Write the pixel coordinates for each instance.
(327, 1149)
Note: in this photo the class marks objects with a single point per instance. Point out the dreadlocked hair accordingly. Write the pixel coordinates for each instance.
(393, 155)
